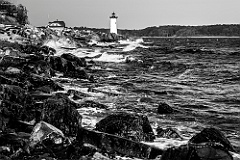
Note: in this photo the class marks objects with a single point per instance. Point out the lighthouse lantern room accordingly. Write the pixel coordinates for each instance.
(113, 23)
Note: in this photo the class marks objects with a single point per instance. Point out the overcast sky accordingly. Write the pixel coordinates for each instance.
(133, 14)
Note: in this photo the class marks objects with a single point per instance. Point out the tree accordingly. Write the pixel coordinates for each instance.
(22, 16)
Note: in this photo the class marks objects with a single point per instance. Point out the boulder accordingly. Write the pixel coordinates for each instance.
(208, 144)
(168, 133)
(39, 67)
(39, 81)
(61, 112)
(48, 139)
(131, 126)
(8, 61)
(57, 63)
(69, 65)
(79, 62)
(212, 135)
(164, 108)
(116, 145)
(47, 50)
(12, 145)
(14, 94)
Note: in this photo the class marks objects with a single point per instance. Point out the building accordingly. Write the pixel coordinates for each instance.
(113, 23)
(56, 25)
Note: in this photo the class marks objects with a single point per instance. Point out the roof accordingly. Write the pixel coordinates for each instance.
(61, 23)
(113, 15)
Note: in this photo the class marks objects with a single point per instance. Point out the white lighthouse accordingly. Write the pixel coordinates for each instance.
(113, 23)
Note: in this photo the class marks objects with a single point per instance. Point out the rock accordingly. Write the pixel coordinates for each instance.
(8, 61)
(131, 126)
(164, 108)
(40, 67)
(29, 49)
(69, 65)
(9, 81)
(208, 144)
(93, 104)
(212, 135)
(62, 113)
(12, 145)
(47, 138)
(14, 94)
(113, 144)
(57, 63)
(79, 62)
(78, 73)
(13, 70)
(47, 50)
(168, 133)
(39, 81)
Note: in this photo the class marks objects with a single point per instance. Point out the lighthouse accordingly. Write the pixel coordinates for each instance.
(113, 23)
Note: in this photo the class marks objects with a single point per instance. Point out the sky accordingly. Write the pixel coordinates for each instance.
(132, 14)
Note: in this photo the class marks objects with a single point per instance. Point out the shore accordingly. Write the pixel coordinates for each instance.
(62, 98)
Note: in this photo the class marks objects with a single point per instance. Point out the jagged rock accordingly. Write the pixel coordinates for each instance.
(113, 144)
(93, 104)
(212, 135)
(39, 81)
(9, 81)
(57, 63)
(168, 133)
(40, 67)
(8, 61)
(80, 62)
(12, 144)
(131, 126)
(12, 70)
(208, 144)
(15, 94)
(47, 138)
(78, 73)
(164, 108)
(47, 50)
(62, 113)
(70, 65)
(29, 49)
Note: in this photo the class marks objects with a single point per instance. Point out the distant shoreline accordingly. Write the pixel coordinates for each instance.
(191, 37)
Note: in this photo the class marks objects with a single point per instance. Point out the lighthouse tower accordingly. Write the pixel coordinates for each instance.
(113, 23)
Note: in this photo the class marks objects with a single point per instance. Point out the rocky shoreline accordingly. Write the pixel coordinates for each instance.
(38, 120)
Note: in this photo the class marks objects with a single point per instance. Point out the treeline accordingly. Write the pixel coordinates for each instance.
(13, 14)
(174, 30)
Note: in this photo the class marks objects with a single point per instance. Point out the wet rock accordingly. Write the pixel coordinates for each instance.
(93, 104)
(164, 108)
(29, 49)
(12, 145)
(69, 65)
(208, 144)
(131, 126)
(62, 113)
(39, 81)
(113, 144)
(79, 62)
(14, 94)
(76, 73)
(57, 63)
(8, 61)
(212, 135)
(40, 67)
(168, 133)
(48, 139)
(47, 50)
(10, 81)
(12, 70)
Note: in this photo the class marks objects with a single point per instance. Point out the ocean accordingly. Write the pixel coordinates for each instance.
(202, 84)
